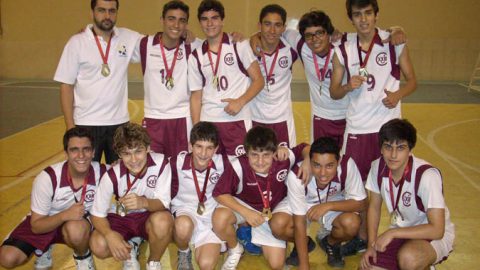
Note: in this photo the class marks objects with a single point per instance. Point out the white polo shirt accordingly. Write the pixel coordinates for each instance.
(235, 60)
(154, 184)
(98, 100)
(52, 193)
(347, 185)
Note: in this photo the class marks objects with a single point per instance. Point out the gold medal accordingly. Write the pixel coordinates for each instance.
(267, 213)
(363, 72)
(170, 84)
(121, 210)
(393, 218)
(215, 81)
(105, 70)
(200, 208)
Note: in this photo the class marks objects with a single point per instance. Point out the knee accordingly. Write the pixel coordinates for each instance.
(221, 219)
(350, 224)
(76, 232)
(280, 225)
(183, 227)
(207, 263)
(277, 264)
(408, 260)
(10, 259)
(160, 224)
(98, 246)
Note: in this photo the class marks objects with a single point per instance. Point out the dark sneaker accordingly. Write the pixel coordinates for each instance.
(244, 236)
(354, 246)
(334, 254)
(293, 257)
(184, 260)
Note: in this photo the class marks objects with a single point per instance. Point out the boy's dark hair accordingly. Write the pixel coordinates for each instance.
(175, 4)
(93, 3)
(129, 136)
(80, 132)
(315, 18)
(273, 8)
(207, 5)
(260, 139)
(361, 4)
(325, 145)
(397, 130)
(204, 131)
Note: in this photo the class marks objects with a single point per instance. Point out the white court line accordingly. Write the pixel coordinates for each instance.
(306, 134)
(32, 127)
(430, 141)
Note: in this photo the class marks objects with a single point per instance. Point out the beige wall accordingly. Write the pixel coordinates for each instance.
(443, 35)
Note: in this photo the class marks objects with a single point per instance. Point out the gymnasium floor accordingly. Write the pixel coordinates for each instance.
(446, 116)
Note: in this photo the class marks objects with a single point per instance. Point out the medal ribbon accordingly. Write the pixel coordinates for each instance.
(201, 195)
(321, 75)
(272, 66)
(84, 187)
(265, 201)
(328, 191)
(129, 184)
(169, 70)
(363, 63)
(104, 56)
(219, 54)
(390, 182)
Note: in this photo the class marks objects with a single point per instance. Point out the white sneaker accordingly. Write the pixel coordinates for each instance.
(132, 263)
(153, 265)
(84, 263)
(233, 258)
(45, 260)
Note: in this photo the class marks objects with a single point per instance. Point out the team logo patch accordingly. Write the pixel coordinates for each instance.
(89, 195)
(240, 150)
(214, 178)
(407, 198)
(382, 59)
(229, 59)
(282, 175)
(180, 54)
(122, 50)
(283, 62)
(152, 181)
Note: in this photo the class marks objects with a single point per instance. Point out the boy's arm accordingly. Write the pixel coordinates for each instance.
(253, 218)
(337, 90)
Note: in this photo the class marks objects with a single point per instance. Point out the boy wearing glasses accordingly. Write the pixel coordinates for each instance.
(420, 232)
(62, 195)
(140, 183)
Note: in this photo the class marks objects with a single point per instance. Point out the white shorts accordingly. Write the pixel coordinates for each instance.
(328, 218)
(444, 246)
(202, 232)
(262, 235)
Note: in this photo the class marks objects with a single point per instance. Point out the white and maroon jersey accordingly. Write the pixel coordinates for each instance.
(233, 79)
(98, 100)
(240, 180)
(184, 193)
(52, 193)
(347, 185)
(160, 102)
(322, 105)
(366, 112)
(153, 184)
(274, 103)
(422, 189)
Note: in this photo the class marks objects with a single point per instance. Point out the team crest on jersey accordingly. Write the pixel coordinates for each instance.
(282, 175)
(283, 62)
(407, 198)
(89, 195)
(180, 54)
(122, 50)
(229, 59)
(382, 59)
(214, 178)
(152, 181)
(240, 150)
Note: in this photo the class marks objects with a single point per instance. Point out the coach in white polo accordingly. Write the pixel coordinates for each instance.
(93, 72)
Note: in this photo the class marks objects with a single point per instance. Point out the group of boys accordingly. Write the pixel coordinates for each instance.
(238, 164)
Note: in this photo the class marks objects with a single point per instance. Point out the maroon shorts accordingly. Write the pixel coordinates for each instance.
(169, 136)
(280, 129)
(231, 136)
(23, 232)
(364, 149)
(130, 225)
(329, 128)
